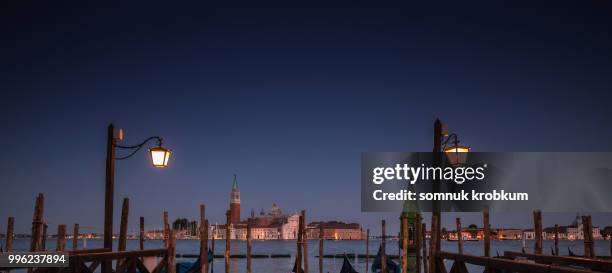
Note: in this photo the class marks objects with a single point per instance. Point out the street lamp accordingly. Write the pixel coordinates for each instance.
(159, 158)
(456, 154)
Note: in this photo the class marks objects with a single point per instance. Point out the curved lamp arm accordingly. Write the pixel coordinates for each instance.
(137, 147)
(448, 138)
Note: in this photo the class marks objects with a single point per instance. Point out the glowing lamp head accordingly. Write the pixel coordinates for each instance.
(457, 155)
(160, 156)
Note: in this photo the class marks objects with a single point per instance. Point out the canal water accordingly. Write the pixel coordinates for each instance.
(281, 265)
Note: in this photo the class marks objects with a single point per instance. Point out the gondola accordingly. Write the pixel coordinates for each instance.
(193, 267)
(571, 254)
(295, 267)
(391, 266)
(347, 267)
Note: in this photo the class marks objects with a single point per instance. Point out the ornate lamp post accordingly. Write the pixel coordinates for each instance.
(159, 157)
(456, 156)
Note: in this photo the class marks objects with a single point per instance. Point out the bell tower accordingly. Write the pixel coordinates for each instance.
(235, 203)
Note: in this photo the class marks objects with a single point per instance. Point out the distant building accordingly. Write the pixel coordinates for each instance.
(509, 234)
(575, 231)
(274, 225)
(267, 226)
(529, 234)
(465, 235)
(335, 230)
(235, 203)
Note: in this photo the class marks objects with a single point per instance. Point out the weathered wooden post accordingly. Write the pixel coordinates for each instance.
(75, 236)
(432, 243)
(383, 256)
(166, 228)
(171, 252)
(590, 232)
(404, 239)
(424, 247)
(124, 225)
(418, 242)
(249, 246)
(367, 250)
(206, 263)
(212, 245)
(487, 232)
(593, 254)
(587, 232)
(305, 243)
(321, 237)
(537, 220)
(556, 240)
(37, 224)
(227, 241)
(459, 236)
(61, 238)
(141, 234)
(298, 255)
(203, 240)
(10, 229)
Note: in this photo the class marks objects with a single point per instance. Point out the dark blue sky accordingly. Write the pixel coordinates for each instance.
(285, 97)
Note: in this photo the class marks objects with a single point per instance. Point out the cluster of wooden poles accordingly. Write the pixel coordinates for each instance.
(39, 236)
(430, 263)
(427, 260)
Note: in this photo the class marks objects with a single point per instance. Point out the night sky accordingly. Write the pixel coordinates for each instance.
(286, 97)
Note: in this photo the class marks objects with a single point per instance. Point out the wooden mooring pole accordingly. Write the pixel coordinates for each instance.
(124, 225)
(305, 243)
(298, 253)
(459, 236)
(418, 242)
(487, 232)
(424, 247)
(61, 238)
(10, 229)
(368, 250)
(206, 263)
(249, 246)
(141, 234)
(75, 236)
(383, 255)
(171, 251)
(537, 221)
(587, 231)
(212, 246)
(321, 237)
(556, 240)
(404, 239)
(433, 243)
(227, 241)
(203, 239)
(37, 224)
(166, 228)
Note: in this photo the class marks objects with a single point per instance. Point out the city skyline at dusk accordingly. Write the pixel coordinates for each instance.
(286, 98)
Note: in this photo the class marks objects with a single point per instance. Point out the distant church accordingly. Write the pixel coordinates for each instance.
(274, 225)
(235, 203)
